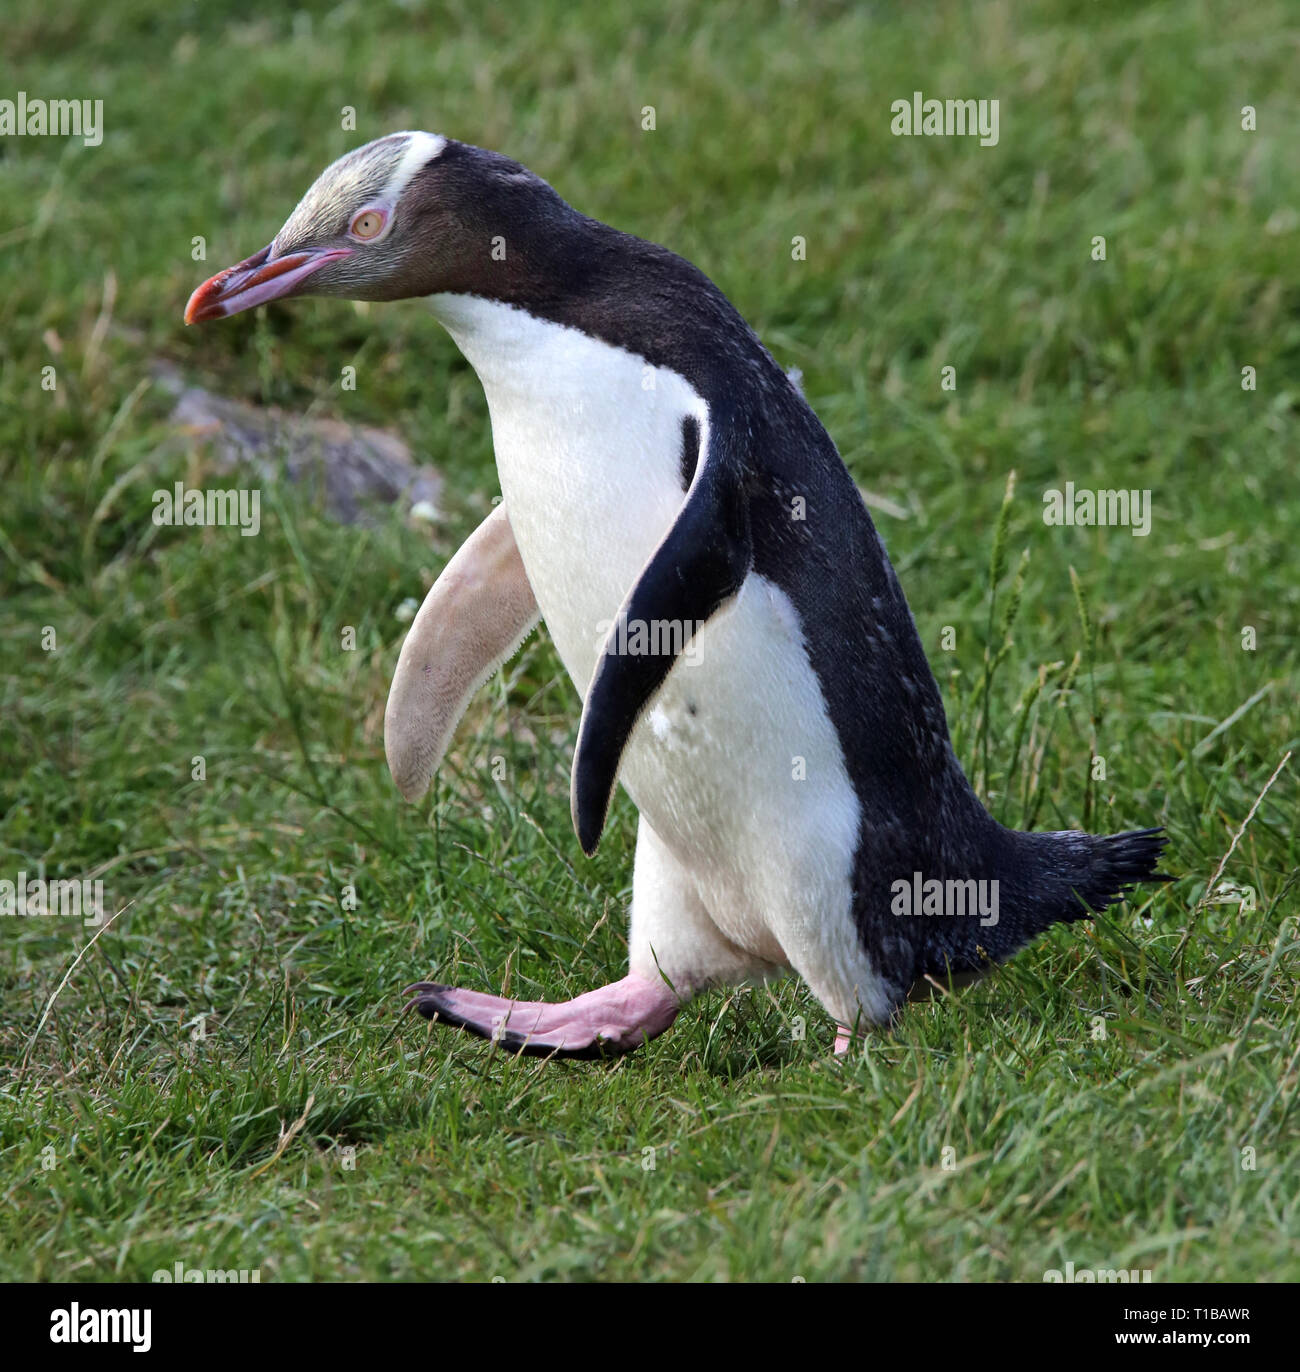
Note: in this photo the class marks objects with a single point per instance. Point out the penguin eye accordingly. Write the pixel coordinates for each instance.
(367, 224)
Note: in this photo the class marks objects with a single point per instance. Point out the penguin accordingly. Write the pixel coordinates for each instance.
(748, 665)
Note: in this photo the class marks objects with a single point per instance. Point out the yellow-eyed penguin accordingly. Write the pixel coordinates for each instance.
(718, 594)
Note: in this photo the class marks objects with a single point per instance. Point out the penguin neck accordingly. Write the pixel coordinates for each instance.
(518, 354)
(496, 338)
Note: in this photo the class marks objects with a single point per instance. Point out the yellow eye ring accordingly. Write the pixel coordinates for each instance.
(367, 224)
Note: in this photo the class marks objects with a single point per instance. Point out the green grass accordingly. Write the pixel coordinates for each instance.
(993, 1135)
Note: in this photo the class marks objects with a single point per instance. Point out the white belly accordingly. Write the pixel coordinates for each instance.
(588, 446)
(736, 765)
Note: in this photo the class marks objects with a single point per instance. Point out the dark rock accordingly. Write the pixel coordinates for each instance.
(350, 466)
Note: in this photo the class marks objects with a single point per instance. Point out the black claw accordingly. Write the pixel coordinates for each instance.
(426, 987)
(429, 1004)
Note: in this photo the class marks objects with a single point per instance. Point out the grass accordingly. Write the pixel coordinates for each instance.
(195, 1088)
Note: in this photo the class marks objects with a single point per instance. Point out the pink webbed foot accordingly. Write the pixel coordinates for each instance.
(611, 1020)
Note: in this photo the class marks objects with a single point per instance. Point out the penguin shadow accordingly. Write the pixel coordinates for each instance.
(747, 1030)
(1051, 992)
(734, 1032)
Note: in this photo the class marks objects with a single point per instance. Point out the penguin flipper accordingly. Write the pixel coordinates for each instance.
(700, 564)
(477, 613)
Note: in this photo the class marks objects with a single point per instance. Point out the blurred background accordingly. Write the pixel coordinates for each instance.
(187, 718)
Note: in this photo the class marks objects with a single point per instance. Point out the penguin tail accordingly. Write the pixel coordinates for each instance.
(1116, 863)
(1058, 878)
(1042, 879)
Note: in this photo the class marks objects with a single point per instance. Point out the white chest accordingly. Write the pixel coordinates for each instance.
(588, 442)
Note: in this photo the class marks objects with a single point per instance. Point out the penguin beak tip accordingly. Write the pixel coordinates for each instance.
(256, 280)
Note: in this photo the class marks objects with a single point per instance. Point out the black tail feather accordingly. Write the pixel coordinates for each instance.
(1043, 879)
(1117, 863)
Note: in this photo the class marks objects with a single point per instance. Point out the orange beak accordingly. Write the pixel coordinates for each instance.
(256, 280)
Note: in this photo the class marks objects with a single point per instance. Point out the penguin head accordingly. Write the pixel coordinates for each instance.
(411, 214)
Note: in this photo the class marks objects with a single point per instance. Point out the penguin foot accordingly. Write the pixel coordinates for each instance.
(604, 1023)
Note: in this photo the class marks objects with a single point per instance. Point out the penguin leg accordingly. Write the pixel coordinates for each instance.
(476, 614)
(672, 934)
(923, 991)
(810, 912)
(676, 950)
